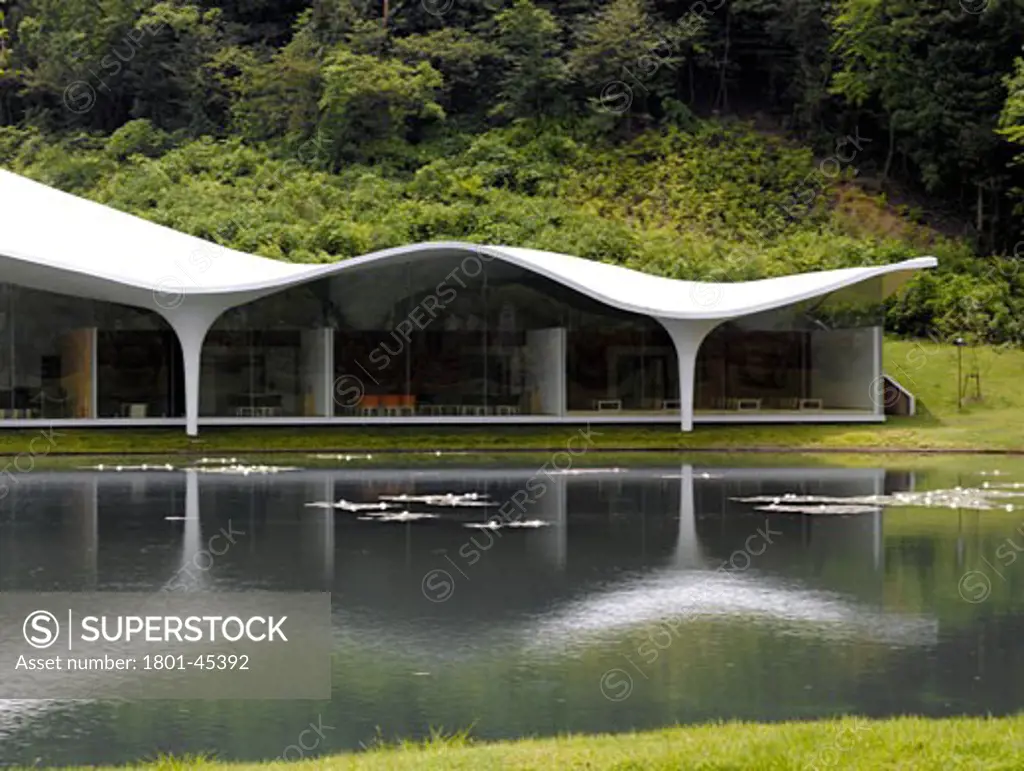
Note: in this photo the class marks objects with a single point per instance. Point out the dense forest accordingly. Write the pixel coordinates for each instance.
(713, 139)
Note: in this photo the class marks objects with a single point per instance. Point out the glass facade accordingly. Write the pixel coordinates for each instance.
(471, 336)
(449, 336)
(69, 357)
(441, 334)
(621, 362)
(264, 359)
(820, 354)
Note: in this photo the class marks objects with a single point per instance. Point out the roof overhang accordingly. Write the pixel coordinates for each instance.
(58, 242)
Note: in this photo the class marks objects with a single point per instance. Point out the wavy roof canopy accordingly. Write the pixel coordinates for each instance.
(59, 242)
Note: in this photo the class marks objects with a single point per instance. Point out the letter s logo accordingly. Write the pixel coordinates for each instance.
(41, 629)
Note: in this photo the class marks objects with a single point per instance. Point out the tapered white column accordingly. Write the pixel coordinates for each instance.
(191, 337)
(687, 335)
(190, 324)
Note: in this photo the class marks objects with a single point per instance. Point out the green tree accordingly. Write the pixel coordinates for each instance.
(352, 23)
(934, 76)
(785, 49)
(623, 55)
(279, 97)
(369, 103)
(172, 76)
(1011, 120)
(535, 72)
(10, 75)
(255, 21)
(62, 47)
(465, 60)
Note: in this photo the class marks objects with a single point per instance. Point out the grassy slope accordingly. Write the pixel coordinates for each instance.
(905, 743)
(927, 369)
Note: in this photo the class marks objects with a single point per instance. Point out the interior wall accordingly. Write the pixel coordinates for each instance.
(545, 373)
(78, 360)
(316, 347)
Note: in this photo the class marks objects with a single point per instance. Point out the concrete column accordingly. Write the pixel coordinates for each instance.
(190, 322)
(191, 337)
(687, 335)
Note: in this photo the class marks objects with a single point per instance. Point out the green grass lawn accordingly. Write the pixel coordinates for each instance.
(910, 744)
(993, 422)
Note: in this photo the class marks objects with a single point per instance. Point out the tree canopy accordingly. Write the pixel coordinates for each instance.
(453, 106)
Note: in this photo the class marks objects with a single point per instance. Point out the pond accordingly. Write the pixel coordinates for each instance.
(637, 596)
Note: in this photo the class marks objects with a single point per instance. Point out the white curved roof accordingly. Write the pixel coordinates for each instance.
(56, 241)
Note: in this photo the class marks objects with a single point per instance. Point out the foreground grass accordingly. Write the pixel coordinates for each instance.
(929, 370)
(849, 743)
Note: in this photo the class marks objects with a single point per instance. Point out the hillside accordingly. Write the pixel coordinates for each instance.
(718, 202)
(315, 131)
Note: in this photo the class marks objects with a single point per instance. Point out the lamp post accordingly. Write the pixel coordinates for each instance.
(959, 343)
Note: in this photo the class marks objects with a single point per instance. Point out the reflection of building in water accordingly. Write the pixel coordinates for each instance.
(67, 558)
(317, 528)
(139, 529)
(688, 551)
(77, 531)
(194, 557)
(838, 552)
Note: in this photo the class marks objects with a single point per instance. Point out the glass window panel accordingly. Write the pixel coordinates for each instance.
(71, 357)
(820, 353)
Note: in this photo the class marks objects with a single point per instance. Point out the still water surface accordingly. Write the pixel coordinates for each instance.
(649, 597)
